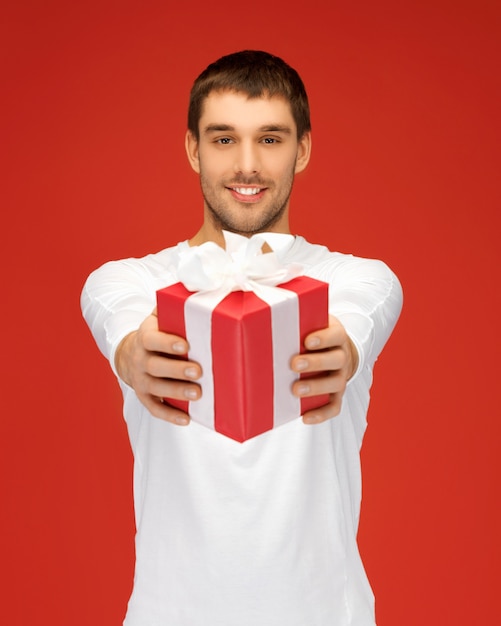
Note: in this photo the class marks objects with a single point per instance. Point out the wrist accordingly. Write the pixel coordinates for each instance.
(354, 359)
(121, 357)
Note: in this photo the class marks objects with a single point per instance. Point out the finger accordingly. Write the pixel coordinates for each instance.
(177, 390)
(326, 412)
(329, 337)
(334, 359)
(164, 411)
(329, 382)
(155, 340)
(159, 366)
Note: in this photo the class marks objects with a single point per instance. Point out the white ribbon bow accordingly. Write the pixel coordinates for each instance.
(242, 266)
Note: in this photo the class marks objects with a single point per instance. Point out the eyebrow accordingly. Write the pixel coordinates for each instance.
(268, 128)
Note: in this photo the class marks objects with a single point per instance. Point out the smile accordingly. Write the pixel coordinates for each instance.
(246, 191)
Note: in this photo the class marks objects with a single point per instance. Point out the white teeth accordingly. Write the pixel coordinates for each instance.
(247, 191)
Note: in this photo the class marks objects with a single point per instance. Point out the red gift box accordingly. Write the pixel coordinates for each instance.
(244, 345)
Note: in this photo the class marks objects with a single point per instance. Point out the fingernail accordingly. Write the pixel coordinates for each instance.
(181, 421)
(302, 389)
(312, 419)
(179, 347)
(191, 372)
(191, 394)
(313, 342)
(301, 364)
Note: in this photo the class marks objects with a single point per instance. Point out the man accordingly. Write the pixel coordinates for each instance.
(261, 533)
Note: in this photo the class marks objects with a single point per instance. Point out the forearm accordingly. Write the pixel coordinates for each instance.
(114, 303)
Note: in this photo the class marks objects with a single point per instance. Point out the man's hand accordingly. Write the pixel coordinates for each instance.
(332, 355)
(144, 361)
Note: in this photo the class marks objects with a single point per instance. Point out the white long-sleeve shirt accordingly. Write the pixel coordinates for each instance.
(260, 533)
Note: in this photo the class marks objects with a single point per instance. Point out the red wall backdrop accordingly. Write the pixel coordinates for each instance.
(405, 168)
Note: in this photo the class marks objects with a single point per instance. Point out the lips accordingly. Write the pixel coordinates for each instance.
(247, 194)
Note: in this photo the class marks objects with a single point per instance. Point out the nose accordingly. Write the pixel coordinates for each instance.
(247, 161)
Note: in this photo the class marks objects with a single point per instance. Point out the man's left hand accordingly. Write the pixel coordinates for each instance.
(333, 358)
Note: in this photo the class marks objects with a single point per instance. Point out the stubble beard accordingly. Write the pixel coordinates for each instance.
(223, 218)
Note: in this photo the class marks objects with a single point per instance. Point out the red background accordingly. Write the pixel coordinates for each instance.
(405, 168)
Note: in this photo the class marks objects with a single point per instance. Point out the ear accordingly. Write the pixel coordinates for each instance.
(303, 152)
(191, 145)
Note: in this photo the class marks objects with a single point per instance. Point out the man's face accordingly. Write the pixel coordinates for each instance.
(247, 156)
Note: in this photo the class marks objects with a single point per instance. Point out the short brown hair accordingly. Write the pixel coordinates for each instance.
(255, 73)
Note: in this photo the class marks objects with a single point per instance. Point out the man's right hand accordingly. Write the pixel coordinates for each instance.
(143, 361)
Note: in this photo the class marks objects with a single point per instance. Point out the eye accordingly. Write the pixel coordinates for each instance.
(270, 141)
(224, 141)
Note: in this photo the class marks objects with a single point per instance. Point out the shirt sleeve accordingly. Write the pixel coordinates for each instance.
(115, 300)
(366, 297)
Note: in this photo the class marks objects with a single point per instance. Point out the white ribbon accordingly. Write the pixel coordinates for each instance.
(242, 266)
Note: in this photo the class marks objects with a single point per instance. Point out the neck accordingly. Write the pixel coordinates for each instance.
(207, 234)
(213, 232)
(217, 237)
